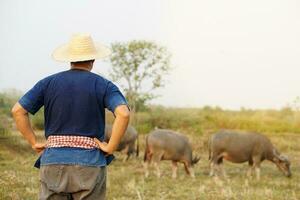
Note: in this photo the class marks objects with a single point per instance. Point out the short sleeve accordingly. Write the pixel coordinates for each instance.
(113, 97)
(33, 100)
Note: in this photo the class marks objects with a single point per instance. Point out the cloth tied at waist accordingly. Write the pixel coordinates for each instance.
(71, 141)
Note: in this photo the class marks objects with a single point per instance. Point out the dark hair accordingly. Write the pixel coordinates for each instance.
(82, 62)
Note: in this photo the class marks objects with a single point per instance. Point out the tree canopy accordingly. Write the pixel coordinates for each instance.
(139, 67)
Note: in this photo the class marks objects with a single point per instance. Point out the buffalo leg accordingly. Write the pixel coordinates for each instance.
(147, 162)
(174, 169)
(126, 150)
(256, 164)
(221, 167)
(158, 173)
(146, 167)
(156, 159)
(130, 150)
(216, 161)
(212, 169)
(257, 171)
(189, 170)
(127, 157)
(250, 169)
(192, 172)
(213, 166)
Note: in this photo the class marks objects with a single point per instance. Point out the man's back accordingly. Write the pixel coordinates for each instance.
(74, 102)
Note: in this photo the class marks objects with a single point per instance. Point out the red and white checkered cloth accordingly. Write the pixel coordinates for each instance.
(71, 141)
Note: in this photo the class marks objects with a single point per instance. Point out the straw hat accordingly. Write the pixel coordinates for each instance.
(80, 48)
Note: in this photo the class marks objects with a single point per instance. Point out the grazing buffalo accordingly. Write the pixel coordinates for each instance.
(245, 147)
(127, 144)
(169, 145)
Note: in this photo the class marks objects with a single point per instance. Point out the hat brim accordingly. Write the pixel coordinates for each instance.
(62, 54)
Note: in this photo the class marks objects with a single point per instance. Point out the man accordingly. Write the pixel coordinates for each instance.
(72, 165)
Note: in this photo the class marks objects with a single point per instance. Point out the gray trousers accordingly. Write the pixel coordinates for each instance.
(72, 182)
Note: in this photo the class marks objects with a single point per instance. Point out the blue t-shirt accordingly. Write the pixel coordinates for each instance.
(74, 104)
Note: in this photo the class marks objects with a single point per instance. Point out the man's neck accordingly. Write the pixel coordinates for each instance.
(81, 68)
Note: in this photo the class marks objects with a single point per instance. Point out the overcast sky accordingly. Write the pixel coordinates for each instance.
(229, 53)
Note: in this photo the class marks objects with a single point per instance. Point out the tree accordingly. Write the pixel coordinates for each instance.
(139, 67)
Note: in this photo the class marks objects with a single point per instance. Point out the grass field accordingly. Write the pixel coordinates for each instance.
(19, 180)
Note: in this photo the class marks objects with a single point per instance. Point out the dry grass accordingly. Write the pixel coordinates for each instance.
(19, 180)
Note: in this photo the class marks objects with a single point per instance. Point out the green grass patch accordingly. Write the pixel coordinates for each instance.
(19, 180)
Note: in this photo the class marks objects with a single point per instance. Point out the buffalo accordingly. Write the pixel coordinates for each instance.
(127, 144)
(168, 145)
(245, 147)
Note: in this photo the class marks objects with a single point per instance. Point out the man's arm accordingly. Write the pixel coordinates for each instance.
(119, 127)
(23, 124)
